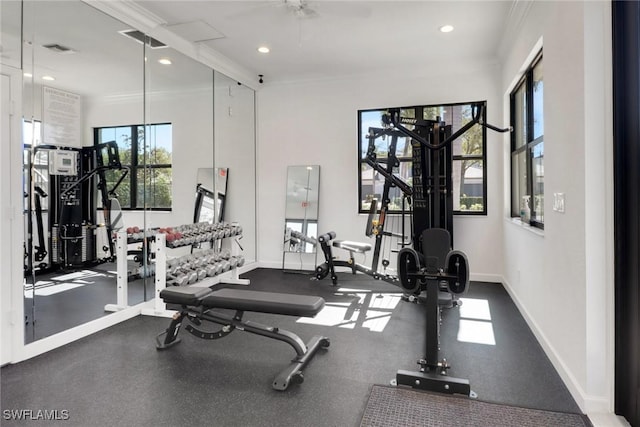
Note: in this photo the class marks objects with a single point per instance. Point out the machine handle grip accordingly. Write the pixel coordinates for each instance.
(327, 237)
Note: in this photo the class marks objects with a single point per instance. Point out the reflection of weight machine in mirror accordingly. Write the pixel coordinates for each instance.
(211, 192)
(66, 189)
(66, 185)
(301, 216)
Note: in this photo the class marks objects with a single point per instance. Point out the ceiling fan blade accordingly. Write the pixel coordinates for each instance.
(300, 9)
(346, 9)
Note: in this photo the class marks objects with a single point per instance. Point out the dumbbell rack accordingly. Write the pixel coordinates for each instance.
(160, 263)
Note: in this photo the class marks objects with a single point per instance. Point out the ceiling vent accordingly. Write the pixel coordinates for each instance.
(58, 48)
(141, 37)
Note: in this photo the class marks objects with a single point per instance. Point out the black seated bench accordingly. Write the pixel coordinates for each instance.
(197, 305)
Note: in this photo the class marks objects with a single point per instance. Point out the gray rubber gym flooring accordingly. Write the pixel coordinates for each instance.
(117, 377)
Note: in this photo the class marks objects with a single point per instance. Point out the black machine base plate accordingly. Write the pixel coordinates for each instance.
(433, 382)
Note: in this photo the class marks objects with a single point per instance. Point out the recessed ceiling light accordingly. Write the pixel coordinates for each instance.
(446, 28)
(164, 61)
(28, 75)
(263, 49)
(48, 78)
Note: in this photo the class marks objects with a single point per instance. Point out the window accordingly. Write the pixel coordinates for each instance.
(527, 144)
(31, 132)
(469, 155)
(148, 157)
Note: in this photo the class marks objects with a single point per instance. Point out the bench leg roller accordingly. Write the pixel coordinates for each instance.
(293, 373)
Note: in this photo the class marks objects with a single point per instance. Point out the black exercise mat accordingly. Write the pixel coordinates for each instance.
(392, 406)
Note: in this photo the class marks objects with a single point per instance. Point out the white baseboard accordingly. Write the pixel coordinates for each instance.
(277, 265)
(588, 404)
(599, 419)
(478, 277)
(481, 277)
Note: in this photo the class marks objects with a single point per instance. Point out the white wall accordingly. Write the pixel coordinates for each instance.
(316, 123)
(559, 278)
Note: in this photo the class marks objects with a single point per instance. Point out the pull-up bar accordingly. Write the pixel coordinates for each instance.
(392, 118)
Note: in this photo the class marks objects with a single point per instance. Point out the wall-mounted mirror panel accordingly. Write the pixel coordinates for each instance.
(117, 133)
(71, 63)
(301, 217)
(179, 142)
(137, 123)
(10, 33)
(235, 152)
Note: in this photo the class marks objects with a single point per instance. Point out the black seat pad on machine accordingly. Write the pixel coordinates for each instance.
(245, 300)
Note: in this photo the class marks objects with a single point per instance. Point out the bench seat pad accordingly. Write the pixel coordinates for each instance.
(184, 295)
(264, 302)
(352, 246)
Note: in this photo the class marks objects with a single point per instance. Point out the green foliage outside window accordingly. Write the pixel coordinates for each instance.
(148, 184)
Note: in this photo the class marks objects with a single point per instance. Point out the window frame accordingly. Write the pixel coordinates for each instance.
(135, 165)
(408, 159)
(530, 143)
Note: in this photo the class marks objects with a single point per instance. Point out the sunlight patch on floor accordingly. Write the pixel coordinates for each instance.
(366, 309)
(475, 322)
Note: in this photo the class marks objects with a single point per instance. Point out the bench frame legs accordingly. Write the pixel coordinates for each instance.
(195, 317)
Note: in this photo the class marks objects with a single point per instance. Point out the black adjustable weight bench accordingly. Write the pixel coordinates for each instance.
(197, 304)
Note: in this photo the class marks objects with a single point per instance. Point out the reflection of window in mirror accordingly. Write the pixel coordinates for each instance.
(149, 181)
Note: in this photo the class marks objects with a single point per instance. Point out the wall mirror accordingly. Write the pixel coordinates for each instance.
(301, 217)
(235, 153)
(114, 133)
(71, 64)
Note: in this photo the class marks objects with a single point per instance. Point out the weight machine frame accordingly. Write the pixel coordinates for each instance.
(432, 200)
(373, 227)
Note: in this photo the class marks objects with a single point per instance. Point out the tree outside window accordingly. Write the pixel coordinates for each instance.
(148, 184)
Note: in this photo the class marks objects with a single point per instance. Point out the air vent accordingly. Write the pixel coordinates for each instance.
(141, 37)
(58, 48)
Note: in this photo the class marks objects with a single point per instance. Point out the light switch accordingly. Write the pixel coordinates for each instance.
(558, 202)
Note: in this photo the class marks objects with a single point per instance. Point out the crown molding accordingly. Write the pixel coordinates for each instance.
(128, 12)
(517, 15)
